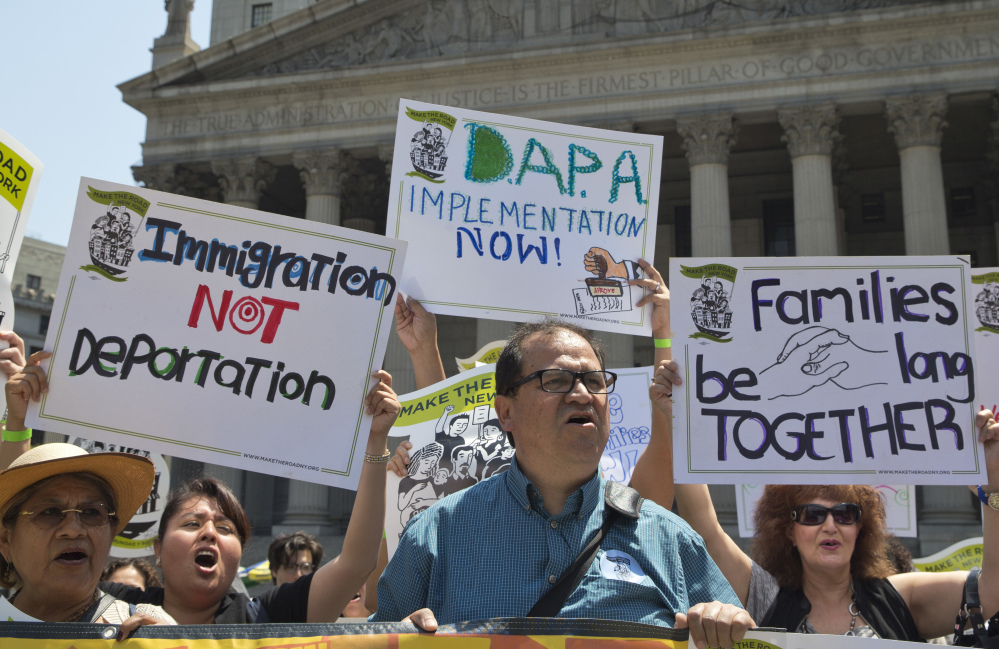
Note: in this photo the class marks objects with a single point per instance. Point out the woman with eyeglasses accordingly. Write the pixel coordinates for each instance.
(819, 562)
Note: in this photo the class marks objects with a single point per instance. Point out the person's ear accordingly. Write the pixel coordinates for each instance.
(503, 405)
(5, 543)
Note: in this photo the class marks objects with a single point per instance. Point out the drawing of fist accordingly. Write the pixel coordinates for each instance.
(600, 262)
(448, 410)
(818, 355)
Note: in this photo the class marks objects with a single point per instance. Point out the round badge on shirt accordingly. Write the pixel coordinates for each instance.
(615, 564)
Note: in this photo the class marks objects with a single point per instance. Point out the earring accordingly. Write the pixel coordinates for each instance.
(158, 562)
(7, 570)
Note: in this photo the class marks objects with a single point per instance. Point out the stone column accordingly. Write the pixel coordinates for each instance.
(322, 174)
(386, 151)
(233, 478)
(810, 132)
(160, 177)
(707, 139)
(917, 122)
(945, 515)
(308, 510)
(242, 179)
(176, 42)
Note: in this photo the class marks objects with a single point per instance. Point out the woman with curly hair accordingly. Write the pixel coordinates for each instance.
(819, 562)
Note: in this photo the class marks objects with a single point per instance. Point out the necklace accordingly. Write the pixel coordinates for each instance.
(76, 616)
(851, 609)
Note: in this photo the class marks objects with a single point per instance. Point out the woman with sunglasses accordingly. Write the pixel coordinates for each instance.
(818, 561)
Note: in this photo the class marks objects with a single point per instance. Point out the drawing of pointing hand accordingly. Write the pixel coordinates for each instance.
(600, 262)
(819, 355)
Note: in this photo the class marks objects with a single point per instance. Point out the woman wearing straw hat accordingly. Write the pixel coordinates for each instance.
(60, 508)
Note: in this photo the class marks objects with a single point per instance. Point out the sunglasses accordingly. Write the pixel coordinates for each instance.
(89, 516)
(843, 514)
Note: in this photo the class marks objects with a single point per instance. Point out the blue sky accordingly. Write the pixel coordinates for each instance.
(63, 61)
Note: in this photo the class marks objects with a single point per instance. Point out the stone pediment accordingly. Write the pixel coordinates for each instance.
(440, 28)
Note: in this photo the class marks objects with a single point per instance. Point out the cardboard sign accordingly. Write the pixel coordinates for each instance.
(218, 333)
(512, 219)
(630, 423)
(963, 555)
(824, 370)
(20, 172)
(985, 293)
(136, 540)
(899, 500)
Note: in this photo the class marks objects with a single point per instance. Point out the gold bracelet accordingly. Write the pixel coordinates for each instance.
(378, 459)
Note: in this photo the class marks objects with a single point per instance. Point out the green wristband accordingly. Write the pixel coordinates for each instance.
(662, 343)
(16, 435)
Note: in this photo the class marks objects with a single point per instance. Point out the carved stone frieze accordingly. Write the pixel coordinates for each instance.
(442, 27)
(917, 119)
(243, 178)
(707, 138)
(809, 129)
(160, 177)
(323, 171)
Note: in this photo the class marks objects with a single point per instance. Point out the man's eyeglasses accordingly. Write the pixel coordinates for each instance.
(304, 568)
(562, 381)
(843, 514)
(89, 516)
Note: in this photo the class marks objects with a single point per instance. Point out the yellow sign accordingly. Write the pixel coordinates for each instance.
(15, 176)
(963, 555)
(488, 353)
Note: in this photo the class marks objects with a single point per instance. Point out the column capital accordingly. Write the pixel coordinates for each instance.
(917, 119)
(161, 177)
(323, 171)
(809, 129)
(243, 178)
(707, 138)
(386, 151)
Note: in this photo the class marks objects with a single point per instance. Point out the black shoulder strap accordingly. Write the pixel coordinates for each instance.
(618, 500)
(971, 610)
(97, 610)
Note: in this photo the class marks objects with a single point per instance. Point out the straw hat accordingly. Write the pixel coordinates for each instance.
(129, 476)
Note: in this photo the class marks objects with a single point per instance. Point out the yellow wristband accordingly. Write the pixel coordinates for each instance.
(662, 343)
(16, 435)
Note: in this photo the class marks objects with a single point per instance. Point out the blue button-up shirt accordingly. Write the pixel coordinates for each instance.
(492, 550)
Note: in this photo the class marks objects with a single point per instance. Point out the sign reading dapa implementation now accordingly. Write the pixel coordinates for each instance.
(511, 218)
(828, 369)
(218, 333)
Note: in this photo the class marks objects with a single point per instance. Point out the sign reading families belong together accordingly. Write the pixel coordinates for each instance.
(818, 370)
(512, 219)
(204, 330)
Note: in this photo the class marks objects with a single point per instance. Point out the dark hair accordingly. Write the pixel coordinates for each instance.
(283, 548)
(8, 573)
(510, 364)
(205, 487)
(460, 449)
(458, 418)
(898, 555)
(149, 576)
(772, 547)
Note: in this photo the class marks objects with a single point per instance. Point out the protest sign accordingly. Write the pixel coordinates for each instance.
(457, 441)
(206, 331)
(488, 353)
(507, 633)
(511, 218)
(985, 292)
(20, 172)
(963, 555)
(899, 500)
(828, 369)
(136, 540)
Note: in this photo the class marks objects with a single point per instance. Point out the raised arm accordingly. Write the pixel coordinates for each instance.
(417, 330)
(25, 382)
(934, 597)
(653, 474)
(337, 582)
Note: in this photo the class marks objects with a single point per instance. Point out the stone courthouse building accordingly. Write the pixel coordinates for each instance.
(791, 127)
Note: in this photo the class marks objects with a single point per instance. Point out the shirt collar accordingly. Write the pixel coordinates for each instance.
(527, 496)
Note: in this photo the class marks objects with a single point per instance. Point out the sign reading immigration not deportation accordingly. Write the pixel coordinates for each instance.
(218, 333)
(816, 370)
(20, 172)
(511, 218)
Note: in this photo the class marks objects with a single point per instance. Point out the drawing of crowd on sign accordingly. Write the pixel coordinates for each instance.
(987, 304)
(985, 288)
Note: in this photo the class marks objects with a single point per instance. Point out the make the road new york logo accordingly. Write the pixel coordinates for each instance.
(428, 148)
(111, 236)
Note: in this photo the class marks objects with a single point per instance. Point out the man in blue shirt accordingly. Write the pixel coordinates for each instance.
(493, 549)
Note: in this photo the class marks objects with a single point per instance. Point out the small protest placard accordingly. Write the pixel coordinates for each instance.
(963, 555)
(985, 293)
(899, 500)
(511, 219)
(20, 172)
(630, 423)
(824, 370)
(488, 353)
(218, 333)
